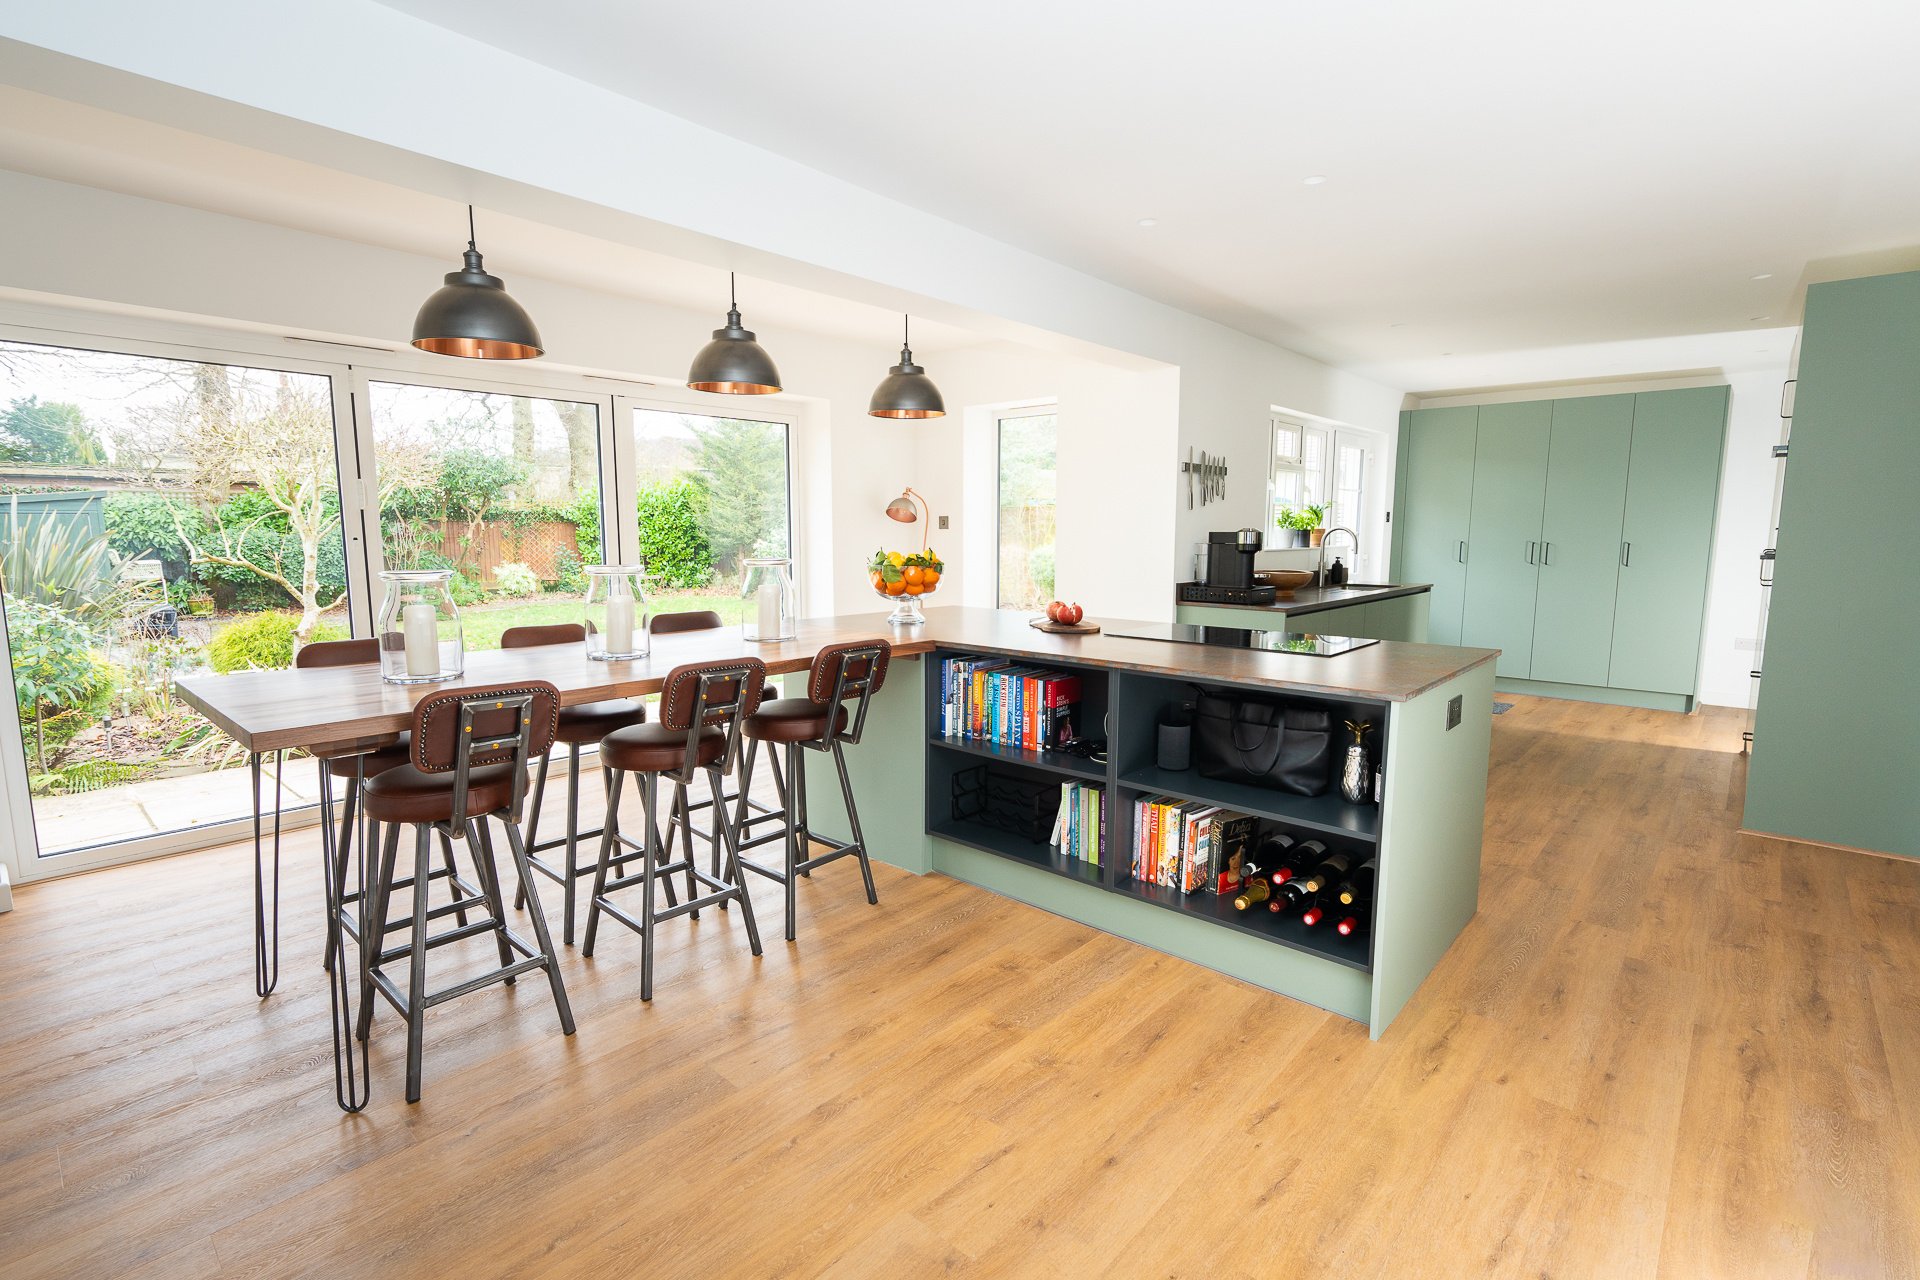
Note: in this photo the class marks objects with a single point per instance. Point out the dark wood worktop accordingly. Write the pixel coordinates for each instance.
(1319, 599)
(337, 706)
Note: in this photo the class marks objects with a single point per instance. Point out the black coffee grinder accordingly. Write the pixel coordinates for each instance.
(1229, 579)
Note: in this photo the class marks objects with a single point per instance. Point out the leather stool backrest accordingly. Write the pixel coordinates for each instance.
(692, 620)
(711, 695)
(337, 653)
(464, 729)
(535, 637)
(855, 669)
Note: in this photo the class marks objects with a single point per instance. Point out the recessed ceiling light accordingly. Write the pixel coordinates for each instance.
(1149, 222)
(1764, 275)
(1315, 180)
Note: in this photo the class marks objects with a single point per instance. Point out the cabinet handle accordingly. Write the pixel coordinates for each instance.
(1546, 553)
(1766, 562)
(1530, 548)
(1461, 554)
(1626, 555)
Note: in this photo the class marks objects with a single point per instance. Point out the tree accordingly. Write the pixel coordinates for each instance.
(741, 468)
(51, 434)
(582, 422)
(273, 434)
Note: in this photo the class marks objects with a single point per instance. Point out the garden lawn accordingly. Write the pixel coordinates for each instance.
(481, 624)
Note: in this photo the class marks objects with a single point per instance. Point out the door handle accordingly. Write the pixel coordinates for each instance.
(1766, 562)
(1546, 553)
(1626, 555)
(1461, 554)
(1530, 550)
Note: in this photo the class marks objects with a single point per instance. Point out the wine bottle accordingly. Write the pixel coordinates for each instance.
(1313, 915)
(1351, 927)
(1251, 894)
(1306, 856)
(1358, 887)
(1276, 851)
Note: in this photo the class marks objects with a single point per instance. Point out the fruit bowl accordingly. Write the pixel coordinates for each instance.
(1286, 580)
(904, 578)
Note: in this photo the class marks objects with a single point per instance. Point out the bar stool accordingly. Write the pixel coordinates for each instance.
(701, 707)
(469, 755)
(579, 726)
(353, 766)
(817, 722)
(682, 817)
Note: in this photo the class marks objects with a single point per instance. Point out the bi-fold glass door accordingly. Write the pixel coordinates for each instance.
(162, 511)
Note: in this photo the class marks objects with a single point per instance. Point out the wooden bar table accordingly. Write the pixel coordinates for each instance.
(335, 710)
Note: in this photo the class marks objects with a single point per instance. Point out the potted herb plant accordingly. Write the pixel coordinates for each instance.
(1316, 517)
(1290, 533)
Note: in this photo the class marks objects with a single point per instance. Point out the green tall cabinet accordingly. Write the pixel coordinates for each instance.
(1503, 540)
(1580, 536)
(1436, 512)
(1666, 542)
(1573, 535)
(1836, 741)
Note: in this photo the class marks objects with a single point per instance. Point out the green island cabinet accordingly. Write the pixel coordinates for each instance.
(1431, 742)
(1836, 735)
(1575, 535)
(1396, 617)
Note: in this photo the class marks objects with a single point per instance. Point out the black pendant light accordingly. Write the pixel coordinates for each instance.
(472, 316)
(906, 391)
(733, 363)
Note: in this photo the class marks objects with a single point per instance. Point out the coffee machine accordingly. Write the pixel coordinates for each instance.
(1229, 572)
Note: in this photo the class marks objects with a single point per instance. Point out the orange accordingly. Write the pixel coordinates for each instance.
(896, 588)
(930, 577)
(912, 573)
(879, 581)
(914, 589)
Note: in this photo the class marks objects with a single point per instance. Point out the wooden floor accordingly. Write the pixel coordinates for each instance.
(1660, 1049)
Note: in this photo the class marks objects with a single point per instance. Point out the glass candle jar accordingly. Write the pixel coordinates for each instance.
(419, 628)
(767, 589)
(616, 612)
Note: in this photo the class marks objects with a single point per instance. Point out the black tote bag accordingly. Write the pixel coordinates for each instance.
(1263, 743)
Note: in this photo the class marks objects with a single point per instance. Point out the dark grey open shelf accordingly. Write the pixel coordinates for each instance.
(1125, 707)
(1285, 929)
(1072, 766)
(1327, 813)
(978, 835)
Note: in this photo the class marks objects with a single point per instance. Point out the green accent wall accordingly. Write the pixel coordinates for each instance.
(1836, 751)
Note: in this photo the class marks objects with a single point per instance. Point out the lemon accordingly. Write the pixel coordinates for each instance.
(895, 558)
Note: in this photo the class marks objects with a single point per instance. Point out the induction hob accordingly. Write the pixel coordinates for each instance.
(1301, 643)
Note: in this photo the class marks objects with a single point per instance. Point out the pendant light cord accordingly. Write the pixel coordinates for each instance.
(471, 244)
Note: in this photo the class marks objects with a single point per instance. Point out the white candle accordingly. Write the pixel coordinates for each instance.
(421, 626)
(620, 624)
(767, 604)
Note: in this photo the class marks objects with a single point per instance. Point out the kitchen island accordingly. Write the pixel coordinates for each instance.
(1379, 611)
(1430, 707)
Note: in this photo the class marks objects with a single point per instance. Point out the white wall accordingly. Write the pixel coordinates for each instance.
(1741, 527)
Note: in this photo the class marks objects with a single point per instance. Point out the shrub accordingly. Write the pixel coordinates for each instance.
(264, 641)
(465, 590)
(570, 573)
(513, 579)
(673, 542)
(53, 663)
(53, 562)
(143, 524)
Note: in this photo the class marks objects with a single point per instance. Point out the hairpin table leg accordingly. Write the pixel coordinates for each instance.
(266, 943)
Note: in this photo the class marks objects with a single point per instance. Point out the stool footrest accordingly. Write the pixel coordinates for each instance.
(835, 852)
(398, 999)
(468, 930)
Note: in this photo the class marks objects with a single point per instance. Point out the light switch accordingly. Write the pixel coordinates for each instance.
(943, 522)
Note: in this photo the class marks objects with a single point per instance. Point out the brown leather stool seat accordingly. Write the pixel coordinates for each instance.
(405, 794)
(791, 720)
(592, 721)
(668, 624)
(654, 748)
(369, 763)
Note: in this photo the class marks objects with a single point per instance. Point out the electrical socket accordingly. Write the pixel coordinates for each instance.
(943, 522)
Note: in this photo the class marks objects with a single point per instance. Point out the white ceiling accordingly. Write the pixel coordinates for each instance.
(1500, 176)
(73, 142)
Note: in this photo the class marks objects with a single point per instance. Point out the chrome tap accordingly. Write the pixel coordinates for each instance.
(1320, 573)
